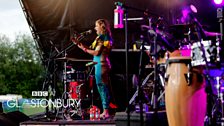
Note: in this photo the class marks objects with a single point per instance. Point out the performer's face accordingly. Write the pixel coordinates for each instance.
(98, 28)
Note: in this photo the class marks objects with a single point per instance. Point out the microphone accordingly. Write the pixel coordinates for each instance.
(80, 36)
(85, 33)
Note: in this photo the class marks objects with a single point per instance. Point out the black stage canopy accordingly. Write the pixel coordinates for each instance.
(53, 22)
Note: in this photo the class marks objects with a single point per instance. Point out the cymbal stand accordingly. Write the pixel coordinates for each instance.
(90, 77)
(65, 94)
(208, 118)
(161, 84)
(218, 108)
(140, 91)
(151, 34)
(146, 13)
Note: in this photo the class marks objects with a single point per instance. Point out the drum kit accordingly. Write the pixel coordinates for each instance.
(191, 98)
(74, 87)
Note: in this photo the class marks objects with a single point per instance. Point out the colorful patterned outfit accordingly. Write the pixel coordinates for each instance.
(102, 68)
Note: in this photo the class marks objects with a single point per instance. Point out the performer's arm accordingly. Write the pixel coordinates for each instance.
(95, 52)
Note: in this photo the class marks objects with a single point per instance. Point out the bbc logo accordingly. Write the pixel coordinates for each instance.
(40, 93)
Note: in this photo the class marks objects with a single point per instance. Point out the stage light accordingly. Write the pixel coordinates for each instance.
(217, 1)
(193, 8)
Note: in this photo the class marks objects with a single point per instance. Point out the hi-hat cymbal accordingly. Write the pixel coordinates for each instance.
(73, 59)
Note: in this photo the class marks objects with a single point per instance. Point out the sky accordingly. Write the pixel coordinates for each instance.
(12, 19)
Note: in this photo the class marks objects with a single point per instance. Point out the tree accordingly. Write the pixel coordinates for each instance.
(21, 71)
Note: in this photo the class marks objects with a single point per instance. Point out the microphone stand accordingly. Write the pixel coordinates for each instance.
(126, 62)
(65, 49)
(70, 46)
(140, 92)
(48, 80)
(155, 98)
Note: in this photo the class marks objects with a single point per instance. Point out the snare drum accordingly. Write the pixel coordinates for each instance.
(184, 93)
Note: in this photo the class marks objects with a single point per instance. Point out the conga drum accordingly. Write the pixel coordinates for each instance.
(184, 93)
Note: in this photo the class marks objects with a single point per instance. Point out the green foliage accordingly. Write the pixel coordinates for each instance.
(20, 66)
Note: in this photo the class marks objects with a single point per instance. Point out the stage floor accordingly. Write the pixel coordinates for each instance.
(70, 123)
(120, 119)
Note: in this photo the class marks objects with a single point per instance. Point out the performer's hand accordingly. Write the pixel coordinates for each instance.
(75, 41)
(80, 45)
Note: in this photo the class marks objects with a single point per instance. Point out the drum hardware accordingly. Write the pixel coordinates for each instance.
(68, 78)
(144, 83)
(90, 77)
(75, 93)
(208, 117)
(203, 55)
(161, 92)
(65, 95)
(217, 111)
(211, 53)
(49, 82)
(218, 107)
(188, 75)
(73, 59)
(157, 39)
(73, 81)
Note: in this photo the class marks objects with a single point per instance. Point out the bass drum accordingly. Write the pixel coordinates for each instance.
(184, 93)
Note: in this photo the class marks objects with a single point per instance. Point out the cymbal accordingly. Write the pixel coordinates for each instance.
(212, 34)
(179, 28)
(183, 27)
(180, 25)
(208, 34)
(73, 59)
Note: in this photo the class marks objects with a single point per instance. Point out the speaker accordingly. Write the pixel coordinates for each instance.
(4, 121)
(12, 118)
(1, 108)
